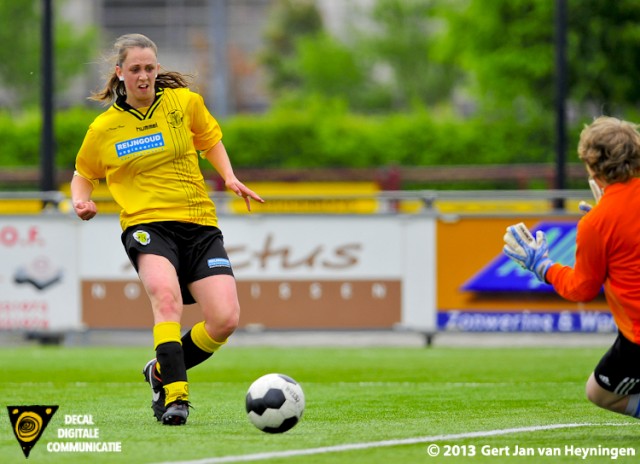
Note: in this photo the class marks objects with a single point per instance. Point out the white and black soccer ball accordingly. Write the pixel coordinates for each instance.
(275, 403)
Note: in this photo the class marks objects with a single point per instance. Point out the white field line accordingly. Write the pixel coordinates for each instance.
(385, 443)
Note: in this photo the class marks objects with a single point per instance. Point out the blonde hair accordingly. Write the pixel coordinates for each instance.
(114, 88)
(610, 147)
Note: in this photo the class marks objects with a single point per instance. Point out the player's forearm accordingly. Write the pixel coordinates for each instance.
(572, 285)
(81, 189)
(219, 159)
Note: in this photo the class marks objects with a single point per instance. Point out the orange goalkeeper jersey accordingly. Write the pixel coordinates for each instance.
(608, 253)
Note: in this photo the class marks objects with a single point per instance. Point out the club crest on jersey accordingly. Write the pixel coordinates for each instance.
(142, 237)
(174, 118)
(140, 145)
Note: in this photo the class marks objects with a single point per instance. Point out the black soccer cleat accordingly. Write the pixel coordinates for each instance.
(157, 389)
(177, 413)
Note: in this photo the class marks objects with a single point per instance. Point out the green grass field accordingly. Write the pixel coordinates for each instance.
(377, 405)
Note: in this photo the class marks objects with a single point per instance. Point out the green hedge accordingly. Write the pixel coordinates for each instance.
(306, 139)
(21, 136)
(19, 140)
(323, 137)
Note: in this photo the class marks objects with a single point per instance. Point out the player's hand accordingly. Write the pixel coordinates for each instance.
(585, 207)
(243, 191)
(532, 254)
(85, 210)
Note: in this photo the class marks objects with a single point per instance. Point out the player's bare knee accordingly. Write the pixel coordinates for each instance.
(603, 399)
(595, 398)
(221, 326)
(167, 307)
(593, 394)
(229, 325)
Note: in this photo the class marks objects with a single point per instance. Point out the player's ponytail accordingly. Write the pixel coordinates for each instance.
(173, 80)
(112, 89)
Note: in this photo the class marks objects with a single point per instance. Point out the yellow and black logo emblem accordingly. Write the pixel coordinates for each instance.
(142, 237)
(28, 423)
(174, 118)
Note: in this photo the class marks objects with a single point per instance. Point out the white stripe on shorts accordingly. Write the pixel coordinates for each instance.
(626, 386)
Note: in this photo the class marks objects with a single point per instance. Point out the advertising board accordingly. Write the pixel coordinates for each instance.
(480, 290)
(311, 271)
(38, 274)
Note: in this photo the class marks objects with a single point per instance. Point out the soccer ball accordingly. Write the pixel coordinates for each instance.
(275, 403)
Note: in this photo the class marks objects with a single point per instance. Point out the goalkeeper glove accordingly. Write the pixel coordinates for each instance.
(597, 192)
(585, 207)
(532, 254)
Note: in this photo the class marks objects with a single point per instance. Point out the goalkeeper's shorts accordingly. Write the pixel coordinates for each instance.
(619, 370)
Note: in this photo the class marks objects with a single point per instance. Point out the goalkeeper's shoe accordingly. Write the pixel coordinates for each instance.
(177, 413)
(157, 389)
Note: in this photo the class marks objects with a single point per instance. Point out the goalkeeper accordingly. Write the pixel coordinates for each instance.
(607, 253)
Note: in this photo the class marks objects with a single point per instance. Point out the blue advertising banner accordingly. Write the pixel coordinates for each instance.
(504, 275)
(526, 321)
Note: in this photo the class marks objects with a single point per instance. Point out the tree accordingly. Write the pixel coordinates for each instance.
(498, 55)
(20, 34)
(386, 62)
(506, 48)
(604, 53)
(326, 67)
(399, 37)
(289, 21)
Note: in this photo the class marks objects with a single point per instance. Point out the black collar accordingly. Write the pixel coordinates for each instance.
(122, 105)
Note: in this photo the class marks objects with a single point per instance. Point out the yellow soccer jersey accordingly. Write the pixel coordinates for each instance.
(149, 159)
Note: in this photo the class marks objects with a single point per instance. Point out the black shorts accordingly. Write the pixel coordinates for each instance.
(195, 251)
(619, 369)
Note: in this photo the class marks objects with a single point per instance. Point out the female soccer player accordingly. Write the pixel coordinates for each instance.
(607, 253)
(146, 145)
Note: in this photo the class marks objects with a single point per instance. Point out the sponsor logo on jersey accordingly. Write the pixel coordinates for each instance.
(147, 127)
(151, 142)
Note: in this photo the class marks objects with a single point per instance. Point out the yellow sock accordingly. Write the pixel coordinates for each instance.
(176, 391)
(203, 340)
(164, 332)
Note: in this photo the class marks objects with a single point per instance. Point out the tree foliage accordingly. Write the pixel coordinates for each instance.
(604, 52)
(493, 58)
(289, 21)
(413, 82)
(400, 38)
(388, 64)
(507, 51)
(332, 77)
(20, 55)
(505, 48)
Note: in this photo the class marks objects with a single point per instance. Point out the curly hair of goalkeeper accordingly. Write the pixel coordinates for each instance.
(610, 148)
